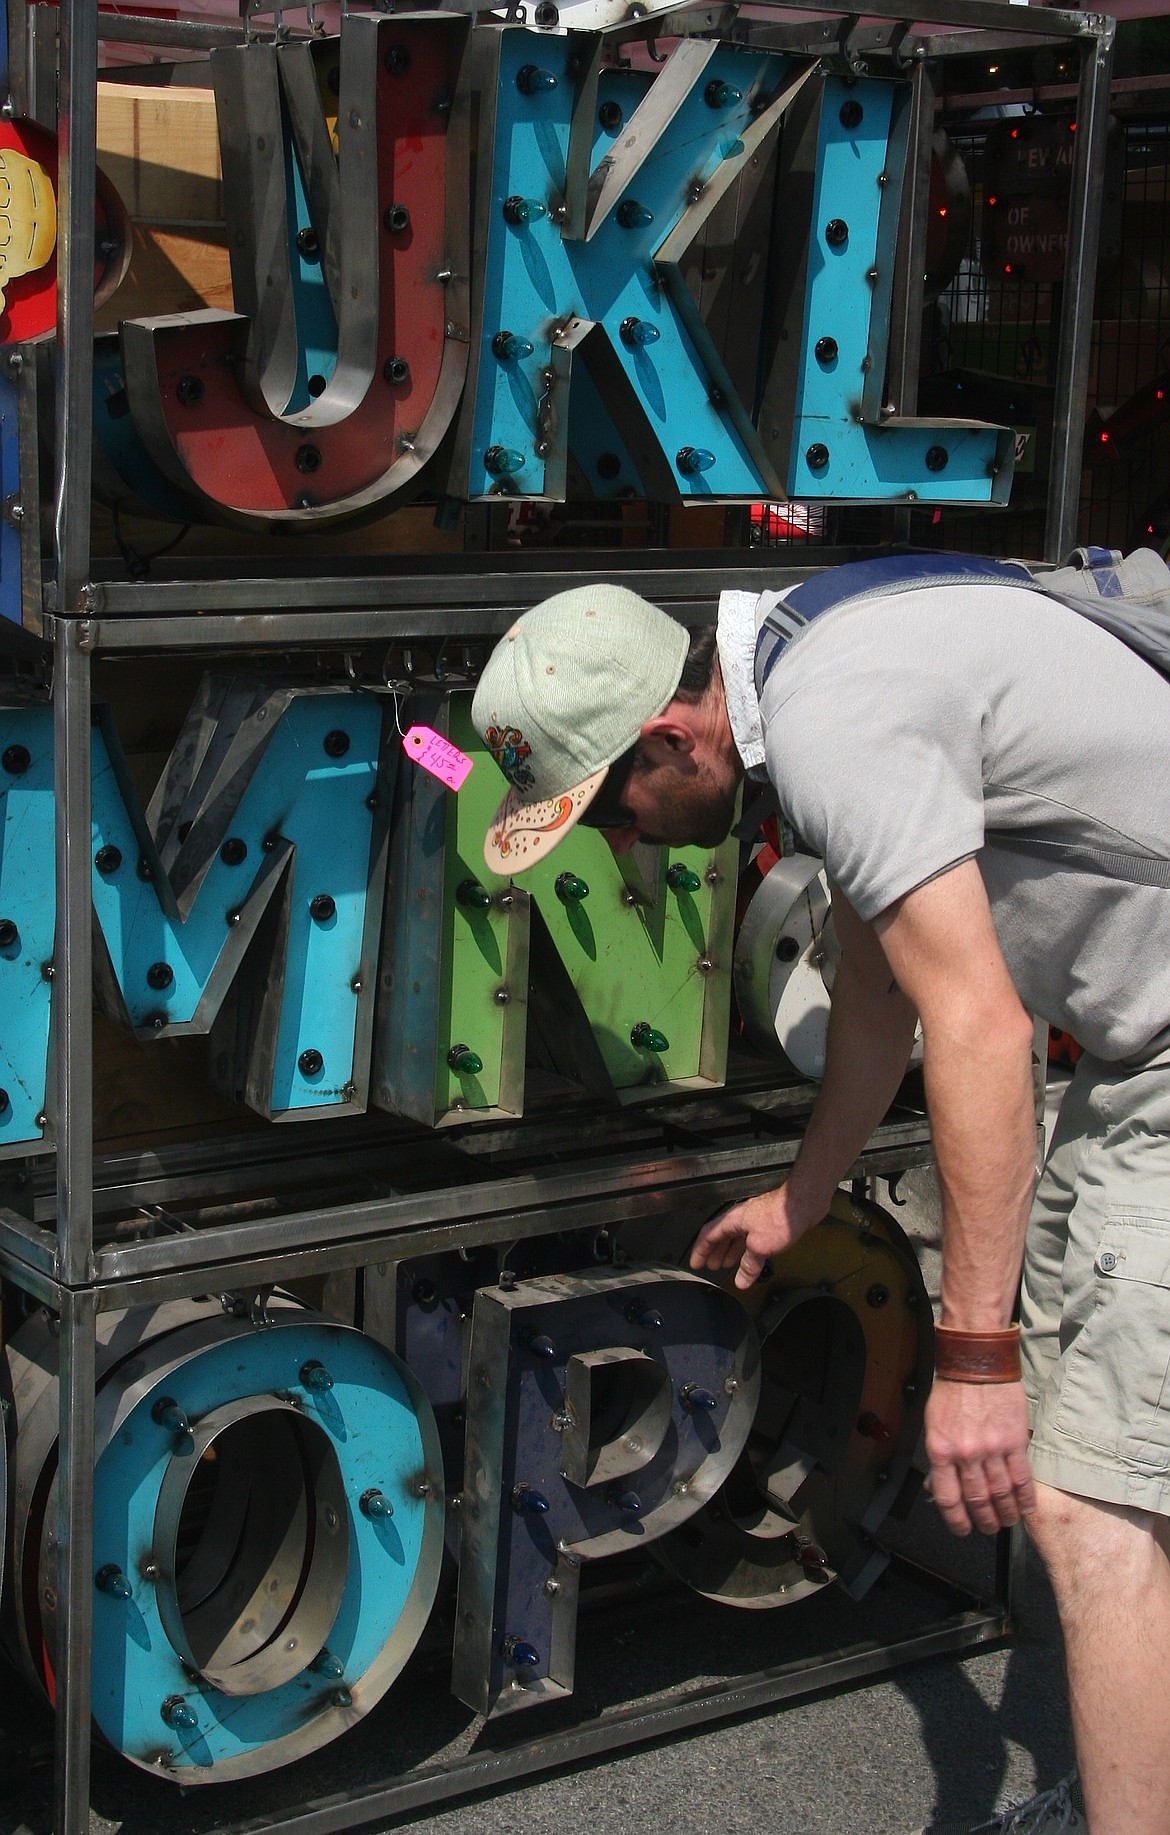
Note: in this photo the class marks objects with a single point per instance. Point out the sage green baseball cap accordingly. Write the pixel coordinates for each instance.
(564, 694)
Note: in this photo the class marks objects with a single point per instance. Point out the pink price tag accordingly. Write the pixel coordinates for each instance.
(437, 755)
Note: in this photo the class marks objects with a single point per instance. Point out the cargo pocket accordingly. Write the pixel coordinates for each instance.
(1115, 1381)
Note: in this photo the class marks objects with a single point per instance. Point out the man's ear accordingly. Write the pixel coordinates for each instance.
(667, 738)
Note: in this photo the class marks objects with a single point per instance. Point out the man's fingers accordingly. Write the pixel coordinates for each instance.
(720, 1241)
(985, 1494)
(747, 1233)
(977, 1439)
(725, 1256)
(750, 1267)
(718, 1252)
(998, 1490)
(1003, 1501)
(1020, 1473)
(710, 1245)
(947, 1492)
(983, 1507)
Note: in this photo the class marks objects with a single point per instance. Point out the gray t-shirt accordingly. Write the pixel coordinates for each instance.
(898, 729)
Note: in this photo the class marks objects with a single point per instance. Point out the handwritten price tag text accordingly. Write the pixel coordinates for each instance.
(437, 755)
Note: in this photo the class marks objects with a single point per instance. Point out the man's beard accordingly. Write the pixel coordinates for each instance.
(700, 814)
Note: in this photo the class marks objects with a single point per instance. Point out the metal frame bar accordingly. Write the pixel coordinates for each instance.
(73, 955)
(77, 131)
(1076, 318)
(978, 16)
(77, 138)
(308, 608)
(79, 1310)
(906, 306)
(174, 34)
(346, 1235)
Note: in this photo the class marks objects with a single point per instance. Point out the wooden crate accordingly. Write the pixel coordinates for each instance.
(158, 147)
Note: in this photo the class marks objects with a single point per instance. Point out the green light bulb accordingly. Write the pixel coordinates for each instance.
(646, 1037)
(500, 460)
(632, 215)
(519, 211)
(531, 79)
(509, 348)
(692, 459)
(681, 879)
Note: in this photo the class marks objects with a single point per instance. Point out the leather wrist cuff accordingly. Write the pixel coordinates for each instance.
(977, 1357)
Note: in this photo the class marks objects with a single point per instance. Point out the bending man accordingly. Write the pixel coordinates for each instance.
(964, 755)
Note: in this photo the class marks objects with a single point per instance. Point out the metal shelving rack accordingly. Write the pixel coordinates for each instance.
(59, 1257)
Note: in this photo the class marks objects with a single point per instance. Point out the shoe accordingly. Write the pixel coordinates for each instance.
(1052, 1812)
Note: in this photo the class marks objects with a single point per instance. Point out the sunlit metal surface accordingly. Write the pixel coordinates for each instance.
(603, 1408)
(267, 1498)
(846, 1360)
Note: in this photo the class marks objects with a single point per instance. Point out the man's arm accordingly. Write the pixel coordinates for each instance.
(871, 1030)
(941, 944)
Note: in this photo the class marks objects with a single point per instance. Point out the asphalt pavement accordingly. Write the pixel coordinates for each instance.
(948, 1740)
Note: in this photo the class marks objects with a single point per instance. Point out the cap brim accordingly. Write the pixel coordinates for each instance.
(520, 834)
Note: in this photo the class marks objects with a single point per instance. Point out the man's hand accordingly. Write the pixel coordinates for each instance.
(941, 944)
(976, 1441)
(871, 1028)
(747, 1233)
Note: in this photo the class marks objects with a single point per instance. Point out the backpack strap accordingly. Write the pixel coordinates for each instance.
(758, 807)
(874, 579)
(1135, 869)
(898, 573)
(1101, 564)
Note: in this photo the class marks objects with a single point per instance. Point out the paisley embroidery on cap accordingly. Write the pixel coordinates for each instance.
(514, 831)
(508, 748)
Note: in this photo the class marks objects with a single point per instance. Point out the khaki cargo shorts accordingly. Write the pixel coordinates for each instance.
(1096, 1295)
